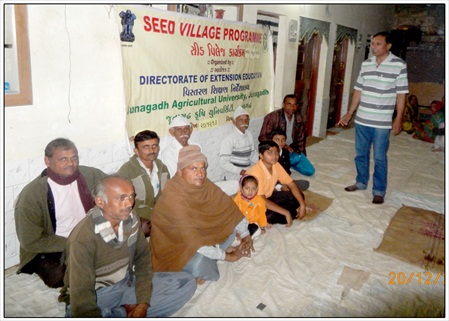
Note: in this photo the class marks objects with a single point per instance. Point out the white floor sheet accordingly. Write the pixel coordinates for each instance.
(295, 271)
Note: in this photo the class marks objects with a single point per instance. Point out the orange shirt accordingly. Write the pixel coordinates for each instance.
(268, 181)
(254, 210)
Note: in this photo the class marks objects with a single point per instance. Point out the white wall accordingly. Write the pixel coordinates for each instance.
(78, 89)
(347, 86)
(10, 73)
(76, 77)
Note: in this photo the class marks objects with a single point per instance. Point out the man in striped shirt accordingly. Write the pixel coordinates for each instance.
(380, 88)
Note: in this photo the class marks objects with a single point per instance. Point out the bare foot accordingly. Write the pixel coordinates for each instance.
(200, 281)
(129, 307)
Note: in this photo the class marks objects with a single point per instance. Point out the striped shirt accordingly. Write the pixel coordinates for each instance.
(379, 85)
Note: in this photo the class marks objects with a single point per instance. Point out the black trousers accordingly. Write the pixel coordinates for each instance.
(284, 199)
(252, 228)
(50, 268)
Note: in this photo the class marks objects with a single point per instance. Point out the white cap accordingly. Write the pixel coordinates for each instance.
(239, 112)
(179, 121)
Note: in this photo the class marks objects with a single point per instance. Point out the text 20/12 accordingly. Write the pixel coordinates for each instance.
(422, 278)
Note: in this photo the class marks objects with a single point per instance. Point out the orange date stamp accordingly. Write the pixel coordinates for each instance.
(427, 278)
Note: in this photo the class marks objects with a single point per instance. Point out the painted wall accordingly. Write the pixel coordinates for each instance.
(78, 89)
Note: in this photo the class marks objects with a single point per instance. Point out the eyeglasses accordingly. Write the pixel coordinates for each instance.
(66, 159)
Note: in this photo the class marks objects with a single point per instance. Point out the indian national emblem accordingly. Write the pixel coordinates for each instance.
(127, 23)
(265, 42)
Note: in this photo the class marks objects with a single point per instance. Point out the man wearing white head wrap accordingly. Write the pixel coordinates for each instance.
(238, 151)
(239, 111)
(179, 121)
(180, 130)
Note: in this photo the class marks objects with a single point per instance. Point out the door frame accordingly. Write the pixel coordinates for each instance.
(311, 95)
(341, 64)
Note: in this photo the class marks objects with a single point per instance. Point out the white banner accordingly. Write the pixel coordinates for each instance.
(197, 67)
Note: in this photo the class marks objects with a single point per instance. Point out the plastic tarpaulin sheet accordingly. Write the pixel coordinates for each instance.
(322, 267)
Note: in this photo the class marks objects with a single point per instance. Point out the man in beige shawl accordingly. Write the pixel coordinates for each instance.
(194, 222)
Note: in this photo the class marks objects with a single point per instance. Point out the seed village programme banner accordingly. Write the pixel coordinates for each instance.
(197, 67)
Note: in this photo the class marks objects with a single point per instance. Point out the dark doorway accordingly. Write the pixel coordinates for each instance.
(306, 77)
(337, 82)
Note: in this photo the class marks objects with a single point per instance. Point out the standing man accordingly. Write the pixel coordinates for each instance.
(237, 150)
(180, 130)
(148, 175)
(49, 207)
(381, 86)
(109, 270)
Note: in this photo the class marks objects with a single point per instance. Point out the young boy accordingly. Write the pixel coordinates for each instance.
(289, 158)
(282, 206)
(278, 136)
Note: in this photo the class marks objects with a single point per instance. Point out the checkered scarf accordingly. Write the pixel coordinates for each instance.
(104, 228)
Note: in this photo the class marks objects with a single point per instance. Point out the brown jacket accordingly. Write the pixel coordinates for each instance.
(276, 119)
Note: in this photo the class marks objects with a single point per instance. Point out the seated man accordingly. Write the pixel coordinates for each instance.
(291, 121)
(109, 263)
(282, 206)
(148, 175)
(237, 150)
(194, 222)
(49, 207)
(180, 130)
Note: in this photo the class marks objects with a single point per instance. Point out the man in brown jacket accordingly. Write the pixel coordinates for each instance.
(291, 121)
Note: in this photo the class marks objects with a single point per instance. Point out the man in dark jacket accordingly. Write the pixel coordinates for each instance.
(291, 121)
(49, 207)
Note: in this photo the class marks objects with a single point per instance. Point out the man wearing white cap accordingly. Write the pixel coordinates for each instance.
(180, 130)
(238, 151)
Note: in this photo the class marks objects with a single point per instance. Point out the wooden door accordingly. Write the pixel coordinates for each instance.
(300, 83)
(306, 78)
(337, 82)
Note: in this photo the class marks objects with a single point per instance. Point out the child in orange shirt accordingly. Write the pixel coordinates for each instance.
(252, 205)
(283, 206)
